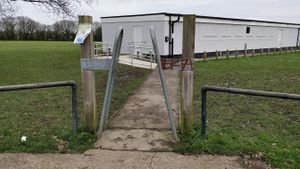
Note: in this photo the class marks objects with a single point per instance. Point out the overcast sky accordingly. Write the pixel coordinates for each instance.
(274, 10)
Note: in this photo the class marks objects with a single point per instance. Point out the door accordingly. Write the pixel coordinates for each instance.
(279, 43)
(137, 39)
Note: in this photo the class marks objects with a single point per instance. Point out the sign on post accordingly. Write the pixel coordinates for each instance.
(84, 37)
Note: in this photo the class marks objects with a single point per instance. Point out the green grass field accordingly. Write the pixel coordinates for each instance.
(250, 125)
(44, 115)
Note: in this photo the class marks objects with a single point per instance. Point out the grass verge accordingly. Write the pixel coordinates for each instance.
(44, 115)
(249, 125)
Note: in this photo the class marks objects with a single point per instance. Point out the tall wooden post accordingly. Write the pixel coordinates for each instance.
(88, 79)
(187, 75)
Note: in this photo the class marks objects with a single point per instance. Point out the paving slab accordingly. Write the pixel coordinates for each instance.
(135, 140)
(105, 159)
(146, 109)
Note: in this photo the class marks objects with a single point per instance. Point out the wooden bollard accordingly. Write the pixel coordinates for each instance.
(204, 55)
(227, 54)
(88, 79)
(245, 50)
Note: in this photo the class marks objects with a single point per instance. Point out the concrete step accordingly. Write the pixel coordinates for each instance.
(135, 140)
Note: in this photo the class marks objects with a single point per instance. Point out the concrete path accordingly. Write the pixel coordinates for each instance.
(105, 159)
(143, 124)
(138, 137)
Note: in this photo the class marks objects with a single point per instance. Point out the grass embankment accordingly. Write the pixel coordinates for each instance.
(250, 125)
(44, 115)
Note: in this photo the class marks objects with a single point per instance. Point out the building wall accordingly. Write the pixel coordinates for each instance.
(110, 27)
(211, 34)
(214, 36)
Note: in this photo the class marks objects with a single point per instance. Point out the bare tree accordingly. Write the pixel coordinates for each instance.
(64, 30)
(26, 28)
(8, 26)
(59, 7)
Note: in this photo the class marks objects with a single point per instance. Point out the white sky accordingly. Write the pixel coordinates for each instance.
(274, 10)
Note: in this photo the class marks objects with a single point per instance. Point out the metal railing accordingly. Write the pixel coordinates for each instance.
(163, 82)
(248, 92)
(70, 83)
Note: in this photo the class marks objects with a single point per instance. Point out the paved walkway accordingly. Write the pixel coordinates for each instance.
(142, 124)
(138, 137)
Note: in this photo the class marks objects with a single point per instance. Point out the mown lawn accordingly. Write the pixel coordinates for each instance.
(250, 125)
(44, 115)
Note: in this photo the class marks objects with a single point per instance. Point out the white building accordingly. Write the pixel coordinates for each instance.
(212, 33)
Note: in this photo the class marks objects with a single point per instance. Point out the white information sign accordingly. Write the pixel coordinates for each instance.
(83, 31)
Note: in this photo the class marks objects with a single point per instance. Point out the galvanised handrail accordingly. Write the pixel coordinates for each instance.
(248, 92)
(70, 83)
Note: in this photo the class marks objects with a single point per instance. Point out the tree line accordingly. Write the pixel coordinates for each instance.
(24, 28)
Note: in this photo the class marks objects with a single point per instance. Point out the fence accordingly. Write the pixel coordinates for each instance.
(72, 84)
(248, 92)
(246, 52)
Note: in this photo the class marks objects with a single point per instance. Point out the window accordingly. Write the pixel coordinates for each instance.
(248, 29)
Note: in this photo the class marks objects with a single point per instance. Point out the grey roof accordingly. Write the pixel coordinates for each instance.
(202, 16)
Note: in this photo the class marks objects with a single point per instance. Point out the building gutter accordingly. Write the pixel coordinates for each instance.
(171, 31)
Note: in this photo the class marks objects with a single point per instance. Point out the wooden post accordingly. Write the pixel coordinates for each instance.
(187, 76)
(245, 52)
(217, 54)
(227, 54)
(204, 56)
(261, 51)
(88, 79)
(253, 52)
(236, 53)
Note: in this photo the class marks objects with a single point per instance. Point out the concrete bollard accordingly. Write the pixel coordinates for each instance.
(217, 54)
(236, 53)
(204, 55)
(261, 51)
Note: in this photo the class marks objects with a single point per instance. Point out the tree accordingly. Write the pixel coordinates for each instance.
(59, 7)
(97, 31)
(65, 30)
(26, 28)
(8, 27)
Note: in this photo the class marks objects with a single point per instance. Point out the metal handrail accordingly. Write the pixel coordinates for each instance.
(248, 92)
(70, 83)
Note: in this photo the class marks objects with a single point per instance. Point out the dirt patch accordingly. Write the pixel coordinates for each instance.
(254, 161)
